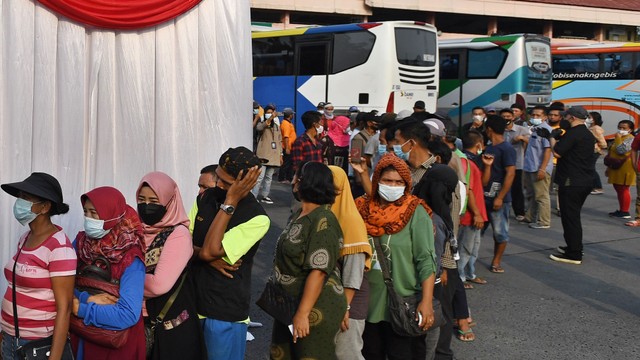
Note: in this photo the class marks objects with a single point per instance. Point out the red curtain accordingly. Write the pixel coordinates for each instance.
(120, 14)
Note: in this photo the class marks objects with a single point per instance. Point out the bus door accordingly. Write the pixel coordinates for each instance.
(452, 79)
(312, 68)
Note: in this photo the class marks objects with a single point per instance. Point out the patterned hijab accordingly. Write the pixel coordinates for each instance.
(394, 216)
(169, 196)
(123, 242)
(344, 208)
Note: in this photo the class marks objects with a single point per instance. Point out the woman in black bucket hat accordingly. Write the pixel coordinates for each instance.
(43, 270)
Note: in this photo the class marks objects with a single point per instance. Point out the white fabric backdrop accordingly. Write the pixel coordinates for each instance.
(97, 107)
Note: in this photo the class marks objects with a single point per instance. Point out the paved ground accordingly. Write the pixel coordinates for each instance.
(537, 309)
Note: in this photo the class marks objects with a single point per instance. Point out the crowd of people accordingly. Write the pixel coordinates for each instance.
(386, 207)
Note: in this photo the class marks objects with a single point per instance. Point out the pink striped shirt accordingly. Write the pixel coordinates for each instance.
(35, 268)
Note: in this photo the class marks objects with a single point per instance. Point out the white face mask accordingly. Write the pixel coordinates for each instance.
(94, 228)
(320, 129)
(328, 114)
(478, 118)
(267, 116)
(256, 111)
(390, 193)
(623, 132)
(535, 122)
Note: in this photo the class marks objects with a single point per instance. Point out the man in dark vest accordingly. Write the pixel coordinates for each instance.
(229, 226)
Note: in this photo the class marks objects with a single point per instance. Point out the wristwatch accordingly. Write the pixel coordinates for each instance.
(229, 209)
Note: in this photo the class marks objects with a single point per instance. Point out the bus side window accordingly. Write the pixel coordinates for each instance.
(485, 64)
(449, 66)
(272, 56)
(312, 59)
(351, 49)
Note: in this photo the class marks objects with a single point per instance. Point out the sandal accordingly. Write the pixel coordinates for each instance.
(468, 286)
(633, 223)
(477, 280)
(496, 269)
(466, 336)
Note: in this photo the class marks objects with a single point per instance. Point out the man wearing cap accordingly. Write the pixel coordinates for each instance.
(359, 142)
(234, 234)
(519, 116)
(377, 144)
(419, 111)
(518, 137)
(270, 150)
(285, 175)
(574, 176)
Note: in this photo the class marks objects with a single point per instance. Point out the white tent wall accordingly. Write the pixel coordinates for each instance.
(97, 107)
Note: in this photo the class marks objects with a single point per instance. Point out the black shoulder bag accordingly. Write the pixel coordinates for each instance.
(36, 349)
(402, 310)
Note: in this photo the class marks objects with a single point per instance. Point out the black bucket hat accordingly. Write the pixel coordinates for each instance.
(41, 185)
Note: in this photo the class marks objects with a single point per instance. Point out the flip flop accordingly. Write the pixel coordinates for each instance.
(633, 223)
(496, 269)
(468, 286)
(477, 280)
(466, 336)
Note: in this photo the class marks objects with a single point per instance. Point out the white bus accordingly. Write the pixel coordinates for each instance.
(494, 71)
(383, 66)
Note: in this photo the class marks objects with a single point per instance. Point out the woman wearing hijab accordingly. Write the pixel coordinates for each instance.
(339, 132)
(168, 251)
(401, 223)
(355, 260)
(113, 233)
(44, 280)
(306, 266)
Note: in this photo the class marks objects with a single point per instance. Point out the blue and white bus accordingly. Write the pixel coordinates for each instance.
(383, 66)
(494, 71)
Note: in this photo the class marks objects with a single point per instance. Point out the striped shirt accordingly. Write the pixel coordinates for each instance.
(35, 268)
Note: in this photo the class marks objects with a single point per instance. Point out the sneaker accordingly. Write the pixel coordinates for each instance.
(520, 218)
(620, 214)
(597, 192)
(538, 226)
(563, 258)
(266, 200)
(563, 249)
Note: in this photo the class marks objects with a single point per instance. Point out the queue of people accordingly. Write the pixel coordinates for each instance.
(402, 217)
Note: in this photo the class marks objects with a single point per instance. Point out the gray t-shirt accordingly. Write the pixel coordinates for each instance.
(519, 146)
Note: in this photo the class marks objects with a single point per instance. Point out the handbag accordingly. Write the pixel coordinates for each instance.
(96, 280)
(614, 163)
(150, 328)
(402, 310)
(276, 302)
(35, 349)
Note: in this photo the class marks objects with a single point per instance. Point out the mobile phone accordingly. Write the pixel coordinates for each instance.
(356, 155)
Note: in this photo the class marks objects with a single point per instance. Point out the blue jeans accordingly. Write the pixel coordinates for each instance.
(499, 221)
(224, 340)
(469, 238)
(9, 346)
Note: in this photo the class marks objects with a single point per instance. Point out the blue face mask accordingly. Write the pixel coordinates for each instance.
(397, 149)
(94, 228)
(22, 211)
(382, 149)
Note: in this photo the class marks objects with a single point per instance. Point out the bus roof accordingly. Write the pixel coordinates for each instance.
(334, 29)
(594, 48)
(487, 41)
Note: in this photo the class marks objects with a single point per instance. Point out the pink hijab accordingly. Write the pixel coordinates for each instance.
(337, 131)
(169, 195)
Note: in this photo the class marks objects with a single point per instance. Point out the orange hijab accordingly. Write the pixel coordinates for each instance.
(344, 208)
(393, 217)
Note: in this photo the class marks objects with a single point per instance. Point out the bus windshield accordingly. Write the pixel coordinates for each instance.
(415, 47)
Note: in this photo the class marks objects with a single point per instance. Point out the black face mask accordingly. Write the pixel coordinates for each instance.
(219, 194)
(296, 194)
(151, 214)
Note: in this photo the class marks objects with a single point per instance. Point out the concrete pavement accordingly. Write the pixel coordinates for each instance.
(537, 309)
